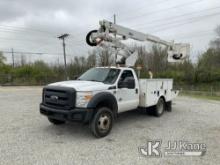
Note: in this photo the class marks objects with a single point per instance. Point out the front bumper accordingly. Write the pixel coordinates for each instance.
(77, 114)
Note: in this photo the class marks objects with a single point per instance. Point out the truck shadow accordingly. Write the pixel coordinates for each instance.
(130, 118)
(134, 119)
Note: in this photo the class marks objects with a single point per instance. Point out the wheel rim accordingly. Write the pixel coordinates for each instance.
(160, 107)
(104, 122)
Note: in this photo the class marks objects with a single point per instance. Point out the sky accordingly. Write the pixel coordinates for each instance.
(34, 25)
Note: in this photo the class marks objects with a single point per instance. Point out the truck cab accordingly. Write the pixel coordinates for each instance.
(98, 95)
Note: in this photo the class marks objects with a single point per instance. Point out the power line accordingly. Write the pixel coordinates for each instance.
(125, 11)
(41, 53)
(139, 8)
(19, 28)
(23, 33)
(37, 41)
(33, 53)
(27, 29)
(174, 7)
(162, 10)
(76, 42)
(197, 36)
(170, 26)
(188, 35)
(168, 18)
(22, 41)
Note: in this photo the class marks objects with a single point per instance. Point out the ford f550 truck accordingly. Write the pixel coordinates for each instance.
(99, 94)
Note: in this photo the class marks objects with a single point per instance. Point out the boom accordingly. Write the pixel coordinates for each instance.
(109, 33)
(132, 34)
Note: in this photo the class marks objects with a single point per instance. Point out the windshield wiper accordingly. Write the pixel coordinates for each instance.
(94, 80)
(89, 80)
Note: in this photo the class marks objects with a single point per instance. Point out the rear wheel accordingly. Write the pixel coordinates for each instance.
(102, 122)
(160, 107)
(169, 106)
(55, 121)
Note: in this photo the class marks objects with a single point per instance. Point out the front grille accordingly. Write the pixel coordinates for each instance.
(59, 97)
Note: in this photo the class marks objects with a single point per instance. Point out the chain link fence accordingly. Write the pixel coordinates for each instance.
(202, 90)
(13, 80)
(201, 93)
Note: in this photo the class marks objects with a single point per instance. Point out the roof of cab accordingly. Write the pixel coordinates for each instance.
(114, 67)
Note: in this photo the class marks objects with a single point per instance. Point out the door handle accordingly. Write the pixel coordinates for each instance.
(136, 91)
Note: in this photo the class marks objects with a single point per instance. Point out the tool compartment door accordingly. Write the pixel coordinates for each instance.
(152, 89)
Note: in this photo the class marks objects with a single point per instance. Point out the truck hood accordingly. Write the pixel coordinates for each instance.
(82, 85)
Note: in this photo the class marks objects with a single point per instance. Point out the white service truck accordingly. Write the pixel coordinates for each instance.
(99, 94)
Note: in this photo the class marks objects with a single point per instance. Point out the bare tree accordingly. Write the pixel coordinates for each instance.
(104, 56)
(23, 60)
(2, 58)
(91, 59)
(159, 61)
(215, 44)
(143, 56)
(217, 30)
(155, 59)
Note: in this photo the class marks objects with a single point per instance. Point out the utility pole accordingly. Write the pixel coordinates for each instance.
(114, 16)
(62, 37)
(13, 58)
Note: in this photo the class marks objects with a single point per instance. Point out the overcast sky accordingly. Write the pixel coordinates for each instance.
(33, 25)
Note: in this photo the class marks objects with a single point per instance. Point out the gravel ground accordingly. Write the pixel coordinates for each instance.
(28, 138)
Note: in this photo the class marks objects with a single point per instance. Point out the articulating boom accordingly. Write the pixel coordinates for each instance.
(111, 35)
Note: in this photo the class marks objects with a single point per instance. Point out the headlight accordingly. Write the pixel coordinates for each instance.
(83, 98)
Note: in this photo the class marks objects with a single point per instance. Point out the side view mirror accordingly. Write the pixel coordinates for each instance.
(75, 77)
(127, 83)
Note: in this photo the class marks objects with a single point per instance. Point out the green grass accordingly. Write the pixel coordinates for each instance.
(201, 96)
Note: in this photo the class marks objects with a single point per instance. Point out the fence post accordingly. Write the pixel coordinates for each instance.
(211, 91)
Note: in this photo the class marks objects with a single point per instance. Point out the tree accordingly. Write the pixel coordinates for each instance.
(2, 59)
(143, 56)
(159, 58)
(91, 59)
(104, 56)
(42, 73)
(215, 44)
(23, 60)
(208, 67)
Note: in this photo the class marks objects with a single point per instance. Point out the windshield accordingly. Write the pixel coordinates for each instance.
(105, 75)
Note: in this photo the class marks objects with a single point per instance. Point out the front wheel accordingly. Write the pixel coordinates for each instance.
(160, 107)
(102, 122)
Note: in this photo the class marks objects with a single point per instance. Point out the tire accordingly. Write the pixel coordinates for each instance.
(88, 40)
(169, 106)
(102, 122)
(150, 110)
(160, 107)
(55, 121)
